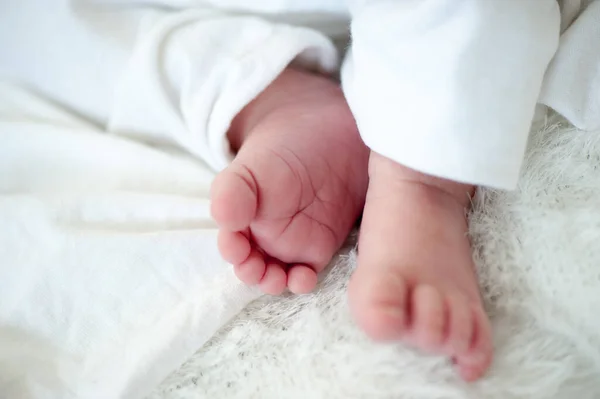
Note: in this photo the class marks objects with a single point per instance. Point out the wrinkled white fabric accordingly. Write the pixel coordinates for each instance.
(444, 68)
(572, 82)
(449, 87)
(109, 271)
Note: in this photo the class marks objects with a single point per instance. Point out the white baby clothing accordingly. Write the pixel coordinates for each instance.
(447, 87)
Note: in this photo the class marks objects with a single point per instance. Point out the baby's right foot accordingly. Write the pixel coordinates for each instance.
(296, 187)
(415, 279)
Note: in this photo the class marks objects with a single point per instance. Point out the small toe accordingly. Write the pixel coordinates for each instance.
(274, 280)
(477, 360)
(252, 270)
(429, 316)
(302, 279)
(379, 303)
(234, 247)
(473, 368)
(460, 326)
(234, 198)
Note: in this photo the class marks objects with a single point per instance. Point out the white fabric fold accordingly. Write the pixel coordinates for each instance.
(110, 276)
(572, 82)
(202, 68)
(449, 87)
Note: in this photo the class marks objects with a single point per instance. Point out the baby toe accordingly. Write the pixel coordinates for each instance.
(252, 270)
(428, 317)
(301, 279)
(234, 198)
(379, 303)
(476, 361)
(234, 247)
(460, 326)
(274, 280)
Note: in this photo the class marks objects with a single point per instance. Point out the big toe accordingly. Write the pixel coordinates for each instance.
(379, 304)
(234, 198)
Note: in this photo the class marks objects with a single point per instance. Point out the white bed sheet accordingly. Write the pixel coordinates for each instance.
(109, 272)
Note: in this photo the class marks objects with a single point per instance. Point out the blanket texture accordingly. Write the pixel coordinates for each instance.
(538, 260)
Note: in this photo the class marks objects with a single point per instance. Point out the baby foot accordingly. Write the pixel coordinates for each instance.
(415, 279)
(296, 187)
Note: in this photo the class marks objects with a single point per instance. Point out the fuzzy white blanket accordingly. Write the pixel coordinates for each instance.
(539, 263)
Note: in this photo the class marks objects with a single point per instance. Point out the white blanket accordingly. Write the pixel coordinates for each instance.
(109, 272)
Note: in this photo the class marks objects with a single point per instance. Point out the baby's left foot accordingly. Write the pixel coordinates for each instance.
(287, 202)
(415, 279)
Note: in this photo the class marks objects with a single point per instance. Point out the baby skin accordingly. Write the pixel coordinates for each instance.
(300, 180)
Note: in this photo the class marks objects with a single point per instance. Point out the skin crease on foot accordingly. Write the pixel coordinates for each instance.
(293, 193)
(296, 186)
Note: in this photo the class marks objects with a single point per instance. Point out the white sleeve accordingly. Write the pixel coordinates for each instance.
(572, 82)
(449, 87)
(174, 78)
(192, 72)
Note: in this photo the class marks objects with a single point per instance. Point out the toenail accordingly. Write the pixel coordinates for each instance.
(469, 374)
(475, 358)
(396, 313)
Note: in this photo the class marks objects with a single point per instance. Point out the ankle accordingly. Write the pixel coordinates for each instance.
(381, 167)
(290, 86)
